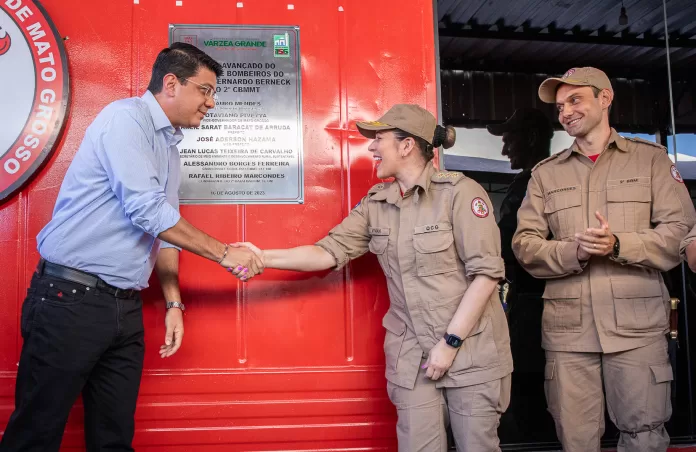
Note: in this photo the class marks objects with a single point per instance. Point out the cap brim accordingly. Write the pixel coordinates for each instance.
(547, 89)
(369, 129)
(498, 129)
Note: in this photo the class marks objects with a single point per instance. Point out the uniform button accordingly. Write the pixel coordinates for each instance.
(74, 291)
(51, 284)
(87, 288)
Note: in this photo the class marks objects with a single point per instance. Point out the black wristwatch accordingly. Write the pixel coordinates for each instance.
(617, 248)
(452, 340)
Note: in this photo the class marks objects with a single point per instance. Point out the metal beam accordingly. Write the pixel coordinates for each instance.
(655, 73)
(479, 32)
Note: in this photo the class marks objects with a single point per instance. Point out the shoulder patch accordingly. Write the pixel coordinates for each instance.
(452, 177)
(648, 142)
(479, 207)
(675, 174)
(548, 159)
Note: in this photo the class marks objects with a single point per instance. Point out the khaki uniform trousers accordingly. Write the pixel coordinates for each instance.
(472, 411)
(637, 385)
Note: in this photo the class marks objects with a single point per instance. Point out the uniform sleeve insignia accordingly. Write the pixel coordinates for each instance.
(648, 142)
(675, 174)
(447, 176)
(479, 207)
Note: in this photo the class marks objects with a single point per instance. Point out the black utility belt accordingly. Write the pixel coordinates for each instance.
(83, 278)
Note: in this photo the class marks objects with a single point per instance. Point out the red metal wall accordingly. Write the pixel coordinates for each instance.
(288, 361)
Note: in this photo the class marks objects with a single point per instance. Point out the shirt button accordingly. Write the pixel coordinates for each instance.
(74, 291)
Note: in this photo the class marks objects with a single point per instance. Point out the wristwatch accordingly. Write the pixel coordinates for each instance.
(453, 340)
(617, 248)
(176, 304)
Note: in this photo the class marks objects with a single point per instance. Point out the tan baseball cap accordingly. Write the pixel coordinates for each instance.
(578, 76)
(407, 117)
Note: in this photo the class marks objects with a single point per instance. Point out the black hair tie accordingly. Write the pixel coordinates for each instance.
(440, 136)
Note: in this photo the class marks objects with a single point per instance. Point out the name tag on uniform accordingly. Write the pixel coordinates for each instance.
(629, 181)
(378, 231)
(432, 228)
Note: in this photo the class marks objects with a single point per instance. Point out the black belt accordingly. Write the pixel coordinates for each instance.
(86, 279)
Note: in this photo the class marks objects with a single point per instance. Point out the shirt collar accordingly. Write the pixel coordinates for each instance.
(392, 193)
(615, 141)
(159, 118)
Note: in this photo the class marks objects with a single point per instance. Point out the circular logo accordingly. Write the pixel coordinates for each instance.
(479, 207)
(675, 174)
(34, 87)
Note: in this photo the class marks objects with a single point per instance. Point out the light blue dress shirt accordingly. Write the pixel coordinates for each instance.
(119, 193)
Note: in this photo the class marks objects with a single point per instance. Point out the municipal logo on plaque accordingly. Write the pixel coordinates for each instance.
(34, 88)
(190, 39)
(281, 46)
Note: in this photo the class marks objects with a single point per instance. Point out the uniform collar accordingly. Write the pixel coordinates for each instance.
(423, 182)
(616, 141)
(392, 192)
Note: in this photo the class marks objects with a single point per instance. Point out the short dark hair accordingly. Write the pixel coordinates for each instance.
(182, 60)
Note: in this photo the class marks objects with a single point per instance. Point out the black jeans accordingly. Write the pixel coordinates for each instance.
(76, 339)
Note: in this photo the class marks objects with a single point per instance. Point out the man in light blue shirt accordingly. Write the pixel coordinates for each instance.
(115, 220)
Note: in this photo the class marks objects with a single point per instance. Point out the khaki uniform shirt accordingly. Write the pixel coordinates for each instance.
(431, 244)
(604, 305)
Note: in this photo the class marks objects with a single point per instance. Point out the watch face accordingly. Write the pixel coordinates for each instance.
(453, 341)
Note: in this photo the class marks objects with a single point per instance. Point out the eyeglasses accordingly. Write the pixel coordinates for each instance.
(208, 91)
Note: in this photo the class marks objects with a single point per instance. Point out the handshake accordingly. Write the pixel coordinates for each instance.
(243, 260)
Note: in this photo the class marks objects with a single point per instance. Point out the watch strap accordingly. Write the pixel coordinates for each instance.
(176, 304)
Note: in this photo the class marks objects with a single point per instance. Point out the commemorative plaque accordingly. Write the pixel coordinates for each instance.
(248, 149)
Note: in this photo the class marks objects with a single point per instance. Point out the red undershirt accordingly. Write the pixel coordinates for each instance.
(593, 157)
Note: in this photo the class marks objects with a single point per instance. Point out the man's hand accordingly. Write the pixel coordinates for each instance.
(596, 241)
(439, 360)
(691, 255)
(242, 262)
(174, 324)
(259, 253)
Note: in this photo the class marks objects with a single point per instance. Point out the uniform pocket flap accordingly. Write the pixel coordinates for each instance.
(634, 288)
(478, 329)
(433, 242)
(662, 373)
(565, 199)
(373, 230)
(432, 228)
(562, 289)
(393, 324)
(378, 244)
(626, 193)
(549, 369)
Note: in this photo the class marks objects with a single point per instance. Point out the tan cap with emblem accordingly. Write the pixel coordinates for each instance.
(407, 117)
(578, 76)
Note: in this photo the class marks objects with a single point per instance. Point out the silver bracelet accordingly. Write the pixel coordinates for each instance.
(224, 255)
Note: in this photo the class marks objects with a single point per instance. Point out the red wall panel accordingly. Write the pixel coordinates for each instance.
(289, 361)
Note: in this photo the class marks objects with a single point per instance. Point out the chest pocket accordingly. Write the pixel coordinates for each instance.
(628, 204)
(564, 211)
(379, 244)
(435, 251)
